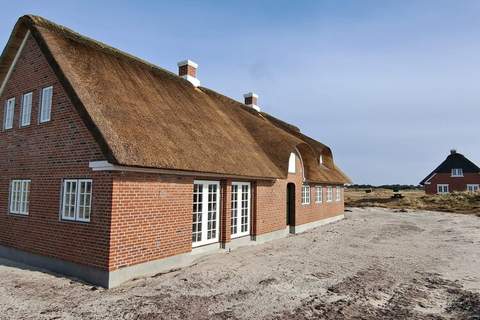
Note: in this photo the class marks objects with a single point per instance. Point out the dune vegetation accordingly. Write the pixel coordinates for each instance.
(459, 202)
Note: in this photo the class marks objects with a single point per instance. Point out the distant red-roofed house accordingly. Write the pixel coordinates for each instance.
(456, 173)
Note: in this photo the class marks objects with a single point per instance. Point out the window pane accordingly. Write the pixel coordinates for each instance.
(84, 200)
(27, 196)
(197, 213)
(46, 104)
(212, 212)
(234, 211)
(245, 208)
(8, 114)
(69, 199)
(19, 196)
(26, 109)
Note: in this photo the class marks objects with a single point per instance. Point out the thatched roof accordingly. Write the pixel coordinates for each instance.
(454, 160)
(145, 116)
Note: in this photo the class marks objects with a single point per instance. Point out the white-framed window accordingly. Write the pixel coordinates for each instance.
(457, 172)
(8, 114)
(329, 194)
(206, 206)
(442, 188)
(291, 163)
(77, 200)
(473, 187)
(305, 194)
(19, 196)
(319, 194)
(45, 104)
(240, 211)
(338, 193)
(26, 109)
(321, 159)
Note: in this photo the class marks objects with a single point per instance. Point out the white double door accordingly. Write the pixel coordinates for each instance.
(206, 211)
(240, 210)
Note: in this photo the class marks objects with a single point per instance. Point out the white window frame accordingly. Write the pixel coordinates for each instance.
(8, 114)
(45, 105)
(329, 194)
(457, 172)
(77, 204)
(239, 207)
(338, 193)
(473, 187)
(26, 113)
(204, 230)
(19, 196)
(305, 194)
(441, 188)
(319, 194)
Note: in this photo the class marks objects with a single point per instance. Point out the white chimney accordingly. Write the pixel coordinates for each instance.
(251, 100)
(187, 69)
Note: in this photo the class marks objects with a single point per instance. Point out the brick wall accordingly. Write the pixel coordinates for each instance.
(151, 218)
(47, 153)
(454, 183)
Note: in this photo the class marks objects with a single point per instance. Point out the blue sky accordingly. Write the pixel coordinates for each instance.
(391, 86)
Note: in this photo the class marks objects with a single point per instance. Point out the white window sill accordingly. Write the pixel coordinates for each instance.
(18, 214)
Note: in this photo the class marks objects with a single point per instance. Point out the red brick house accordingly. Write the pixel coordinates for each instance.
(113, 168)
(456, 173)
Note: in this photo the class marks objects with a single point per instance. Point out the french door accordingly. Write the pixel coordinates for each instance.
(206, 204)
(240, 214)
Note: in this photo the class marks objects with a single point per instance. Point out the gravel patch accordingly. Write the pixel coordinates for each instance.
(376, 263)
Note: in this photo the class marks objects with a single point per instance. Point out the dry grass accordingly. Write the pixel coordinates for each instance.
(460, 202)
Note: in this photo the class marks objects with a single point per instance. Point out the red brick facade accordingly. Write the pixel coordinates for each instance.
(136, 217)
(458, 184)
(46, 154)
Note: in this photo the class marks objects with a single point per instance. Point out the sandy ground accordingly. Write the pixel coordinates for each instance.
(375, 264)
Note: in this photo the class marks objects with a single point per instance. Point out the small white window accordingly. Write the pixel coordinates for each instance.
(442, 188)
(26, 109)
(46, 104)
(305, 194)
(329, 194)
(77, 199)
(291, 163)
(319, 195)
(457, 172)
(321, 159)
(19, 196)
(8, 114)
(338, 193)
(473, 187)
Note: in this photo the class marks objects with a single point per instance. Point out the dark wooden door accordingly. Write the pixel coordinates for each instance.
(291, 204)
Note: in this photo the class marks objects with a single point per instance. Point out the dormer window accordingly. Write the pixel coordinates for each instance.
(457, 172)
(291, 163)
